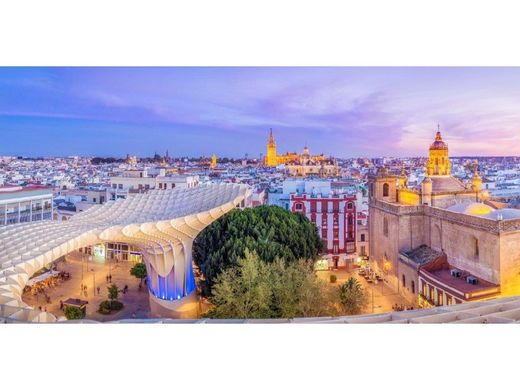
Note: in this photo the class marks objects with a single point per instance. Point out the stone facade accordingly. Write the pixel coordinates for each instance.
(401, 219)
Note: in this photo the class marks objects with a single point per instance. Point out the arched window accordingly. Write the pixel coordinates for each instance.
(386, 189)
(385, 227)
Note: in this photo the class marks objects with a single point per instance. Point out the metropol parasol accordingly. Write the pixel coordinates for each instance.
(161, 223)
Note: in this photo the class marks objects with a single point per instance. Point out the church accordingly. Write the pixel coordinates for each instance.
(300, 164)
(442, 243)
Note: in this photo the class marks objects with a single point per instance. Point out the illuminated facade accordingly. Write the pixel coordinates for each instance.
(162, 224)
(272, 158)
(335, 219)
(441, 243)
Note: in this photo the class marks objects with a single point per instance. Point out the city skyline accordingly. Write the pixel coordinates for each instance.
(345, 112)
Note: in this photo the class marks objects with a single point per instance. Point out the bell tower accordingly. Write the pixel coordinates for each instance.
(271, 158)
(438, 160)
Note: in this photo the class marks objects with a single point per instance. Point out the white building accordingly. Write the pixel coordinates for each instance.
(25, 204)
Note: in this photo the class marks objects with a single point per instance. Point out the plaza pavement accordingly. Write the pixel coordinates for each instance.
(381, 297)
(136, 303)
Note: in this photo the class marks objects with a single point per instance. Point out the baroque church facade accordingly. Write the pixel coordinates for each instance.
(442, 243)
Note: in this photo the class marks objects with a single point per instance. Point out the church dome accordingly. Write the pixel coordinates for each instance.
(438, 144)
(472, 208)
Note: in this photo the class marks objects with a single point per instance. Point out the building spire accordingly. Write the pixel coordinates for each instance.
(271, 137)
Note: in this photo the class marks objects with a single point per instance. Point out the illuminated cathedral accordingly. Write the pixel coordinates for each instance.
(272, 158)
(442, 242)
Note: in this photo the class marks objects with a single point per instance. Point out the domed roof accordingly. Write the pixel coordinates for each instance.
(438, 143)
(472, 208)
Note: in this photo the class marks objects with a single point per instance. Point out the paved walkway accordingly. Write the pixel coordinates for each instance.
(136, 303)
(381, 296)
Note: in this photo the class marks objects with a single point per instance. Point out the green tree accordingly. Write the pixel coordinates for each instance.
(257, 289)
(242, 291)
(139, 271)
(73, 313)
(269, 231)
(352, 296)
(113, 292)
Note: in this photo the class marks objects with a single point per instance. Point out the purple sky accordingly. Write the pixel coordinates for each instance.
(344, 112)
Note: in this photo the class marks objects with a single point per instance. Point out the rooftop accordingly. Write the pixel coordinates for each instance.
(422, 254)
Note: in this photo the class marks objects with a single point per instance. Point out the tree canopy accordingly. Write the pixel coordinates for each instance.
(139, 271)
(269, 231)
(257, 289)
(73, 313)
(352, 296)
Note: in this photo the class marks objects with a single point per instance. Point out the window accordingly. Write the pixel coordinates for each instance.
(362, 251)
(363, 237)
(404, 281)
(298, 206)
(386, 189)
(120, 186)
(94, 200)
(336, 234)
(313, 207)
(350, 206)
(385, 227)
(413, 287)
(476, 248)
(350, 220)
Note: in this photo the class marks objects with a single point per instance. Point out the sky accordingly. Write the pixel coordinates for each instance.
(339, 111)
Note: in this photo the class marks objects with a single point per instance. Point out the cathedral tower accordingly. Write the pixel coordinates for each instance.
(438, 161)
(271, 158)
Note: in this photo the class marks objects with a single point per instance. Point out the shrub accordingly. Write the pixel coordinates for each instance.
(116, 305)
(333, 278)
(73, 313)
(107, 307)
(104, 307)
